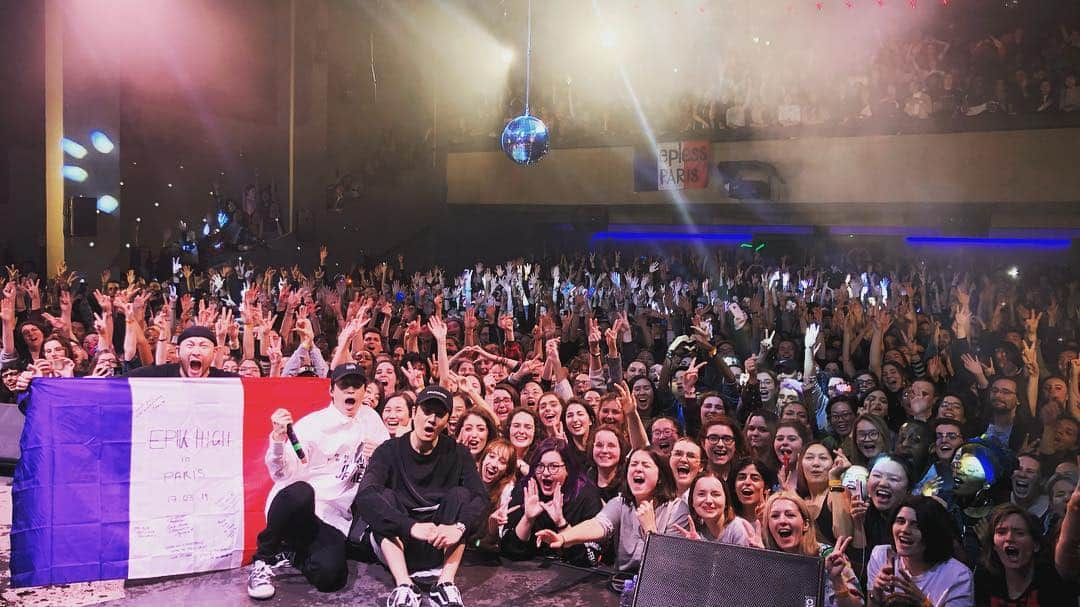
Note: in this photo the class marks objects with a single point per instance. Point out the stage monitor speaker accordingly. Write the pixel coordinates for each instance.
(677, 572)
(81, 216)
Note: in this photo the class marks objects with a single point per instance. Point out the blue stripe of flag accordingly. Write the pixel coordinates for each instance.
(71, 491)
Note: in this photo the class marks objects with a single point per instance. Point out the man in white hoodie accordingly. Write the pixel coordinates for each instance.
(315, 480)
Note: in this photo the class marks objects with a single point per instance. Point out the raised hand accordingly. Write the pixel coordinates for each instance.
(532, 504)
(689, 531)
(837, 562)
(811, 338)
(554, 506)
(646, 516)
(767, 342)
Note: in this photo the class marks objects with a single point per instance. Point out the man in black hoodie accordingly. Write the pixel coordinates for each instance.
(421, 497)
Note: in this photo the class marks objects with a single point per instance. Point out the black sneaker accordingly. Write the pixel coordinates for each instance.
(405, 595)
(259, 585)
(446, 594)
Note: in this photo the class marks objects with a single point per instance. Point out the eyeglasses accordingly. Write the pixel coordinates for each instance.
(947, 435)
(552, 468)
(871, 435)
(843, 416)
(1002, 391)
(716, 438)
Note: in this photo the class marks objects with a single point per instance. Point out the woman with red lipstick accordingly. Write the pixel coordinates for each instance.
(555, 495)
(1016, 568)
(917, 562)
(788, 442)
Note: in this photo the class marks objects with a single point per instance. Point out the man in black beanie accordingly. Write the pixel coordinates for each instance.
(195, 348)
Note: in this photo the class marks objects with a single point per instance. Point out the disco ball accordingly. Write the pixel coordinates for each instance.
(525, 140)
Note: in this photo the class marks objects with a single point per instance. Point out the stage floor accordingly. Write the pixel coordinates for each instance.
(531, 584)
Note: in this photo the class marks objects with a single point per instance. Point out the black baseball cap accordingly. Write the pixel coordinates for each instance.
(435, 397)
(345, 370)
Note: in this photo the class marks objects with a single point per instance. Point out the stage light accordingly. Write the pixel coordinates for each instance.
(157, 204)
(108, 204)
(74, 173)
(138, 220)
(222, 219)
(91, 244)
(507, 55)
(101, 142)
(608, 39)
(1014, 272)
(127, 245)
(73, 148)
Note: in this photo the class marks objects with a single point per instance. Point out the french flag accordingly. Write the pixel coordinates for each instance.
(142, 478)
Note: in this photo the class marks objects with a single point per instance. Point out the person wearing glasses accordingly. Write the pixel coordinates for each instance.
(554, 495)
(308, 509)
(948, 436)
(1008, 425)
(723, 443)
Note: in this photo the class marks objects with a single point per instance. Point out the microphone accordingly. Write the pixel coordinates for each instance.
(295, 442)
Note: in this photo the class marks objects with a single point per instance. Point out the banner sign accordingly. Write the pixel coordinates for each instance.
(139, 478)
(681, 165)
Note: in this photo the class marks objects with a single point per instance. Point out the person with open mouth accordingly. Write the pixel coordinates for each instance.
(647, 504)
(788, 443)
(610, 411)
(663, 432)
(521, 430)
(948, 436)
(550, 409)
(498, 469)
(712, 516)
(477, 428)
(502, 400)
(723, 444)
(422, 498)
(578, 420)
(874, 402)
(687, 462)
(751, 482)
(606, 447)
(889, 482)
(308, 508)
(870, 439)
(1027, 487)
(1015, 568)
(788, 527)
(395, 413)
(195, 349)
(916, 562)
(553, 496)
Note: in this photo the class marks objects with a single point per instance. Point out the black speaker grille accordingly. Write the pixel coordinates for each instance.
(677, 572)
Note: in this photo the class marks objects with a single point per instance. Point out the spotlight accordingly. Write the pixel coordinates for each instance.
(1013, 272)
(608, 39)
(74, 173)
(73, 148)
(127, 245)
(91, 244)
(138, 220)
(101, 142)
(108, 204)
(157, 204)
(507, 55)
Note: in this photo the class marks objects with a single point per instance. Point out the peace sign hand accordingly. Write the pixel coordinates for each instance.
(689, 531)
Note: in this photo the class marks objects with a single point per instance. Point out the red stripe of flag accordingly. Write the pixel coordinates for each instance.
(262, 396)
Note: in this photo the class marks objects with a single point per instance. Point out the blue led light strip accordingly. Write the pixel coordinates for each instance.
(671, 236)
(1002, 243)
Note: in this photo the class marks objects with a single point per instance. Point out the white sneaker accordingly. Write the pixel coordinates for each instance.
(259, 585)
(405, 595)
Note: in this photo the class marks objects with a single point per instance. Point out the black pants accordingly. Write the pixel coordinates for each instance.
(422, 556)
(319, 547)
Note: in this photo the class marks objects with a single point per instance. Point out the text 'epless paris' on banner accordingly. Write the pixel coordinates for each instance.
(681, 165)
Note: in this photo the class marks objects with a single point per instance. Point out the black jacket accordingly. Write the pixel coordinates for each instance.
(582, 507)
(399, 480)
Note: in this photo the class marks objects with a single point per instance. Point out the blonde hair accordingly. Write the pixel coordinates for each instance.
(809, 545)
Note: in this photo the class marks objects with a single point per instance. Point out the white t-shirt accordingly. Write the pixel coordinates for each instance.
(948, 584)
(334, 446)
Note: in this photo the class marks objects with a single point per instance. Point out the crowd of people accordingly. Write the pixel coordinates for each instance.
(917, 426)
(954, 73)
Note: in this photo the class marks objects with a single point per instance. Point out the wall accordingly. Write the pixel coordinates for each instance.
(838, 175)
